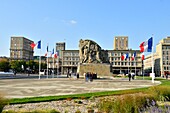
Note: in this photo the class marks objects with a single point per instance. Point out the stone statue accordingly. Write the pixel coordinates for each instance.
(91, 52)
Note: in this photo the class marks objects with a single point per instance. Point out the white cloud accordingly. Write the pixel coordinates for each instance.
(73, 22)
(69, 22)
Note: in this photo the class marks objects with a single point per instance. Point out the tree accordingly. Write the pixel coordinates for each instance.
(4, 65)
(15, 66)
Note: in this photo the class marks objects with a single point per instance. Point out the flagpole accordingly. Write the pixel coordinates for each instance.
(153, 74)
(47, 65)
(39, 63)
(135, 67)
(53, 67)
(128, 65)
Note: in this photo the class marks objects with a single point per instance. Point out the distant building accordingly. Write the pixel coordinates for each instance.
(70, 60)
(20, 49)
(120, 66)
(120, 43)
(60, 46)
(161, 58)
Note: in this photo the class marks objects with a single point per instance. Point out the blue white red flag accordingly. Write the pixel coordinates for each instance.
(146, 46)
(125, 56)
(46, 54)
(56, 54)
(134, 56)
(52, 53)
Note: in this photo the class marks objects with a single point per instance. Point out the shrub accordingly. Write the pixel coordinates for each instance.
(161, 93)
(3, 102)
(129, 103)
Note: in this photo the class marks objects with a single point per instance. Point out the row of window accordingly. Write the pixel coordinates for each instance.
(166, 58)
(165, 47)
(124, 64)
(71, 54)
(70, 63)
(119, 59)
(166, 68)
(71, 59)
(120, 54)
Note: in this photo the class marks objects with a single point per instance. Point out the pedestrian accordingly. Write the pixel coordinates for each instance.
(85, 76)
(133, 76)
(166, 75)
(91, 77)
(77, 75)
(129, 75)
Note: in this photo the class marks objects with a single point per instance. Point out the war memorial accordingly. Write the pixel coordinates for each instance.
(93, 59)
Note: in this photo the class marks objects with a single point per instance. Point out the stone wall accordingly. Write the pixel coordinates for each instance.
(100, 69)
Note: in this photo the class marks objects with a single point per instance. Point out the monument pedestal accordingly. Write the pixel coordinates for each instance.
(100, 69)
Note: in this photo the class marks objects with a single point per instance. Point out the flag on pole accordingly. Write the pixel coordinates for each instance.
(39, 45)
(146, 46)
(125, 56)
(142, 56)
(134, 55)
(32, 45)
(56, 54)
(52, 53)
(46, 54)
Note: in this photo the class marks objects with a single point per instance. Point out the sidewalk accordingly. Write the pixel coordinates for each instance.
(31, 87)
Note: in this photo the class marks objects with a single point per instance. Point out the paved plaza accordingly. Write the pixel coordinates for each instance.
(24, 86)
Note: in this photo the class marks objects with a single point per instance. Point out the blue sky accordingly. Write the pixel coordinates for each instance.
(71, 20)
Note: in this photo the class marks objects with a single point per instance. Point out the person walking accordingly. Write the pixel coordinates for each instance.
(129, 75)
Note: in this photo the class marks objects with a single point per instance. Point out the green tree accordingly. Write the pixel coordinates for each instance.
(4, 65)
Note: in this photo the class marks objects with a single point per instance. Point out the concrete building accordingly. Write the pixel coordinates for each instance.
(148, 64)
(20, 49)
(120, 43)
(60, 46)
(161, 58)
(163, 51)
(123, 66)
(70, 60)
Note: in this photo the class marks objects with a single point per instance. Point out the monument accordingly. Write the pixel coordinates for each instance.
(93, 59)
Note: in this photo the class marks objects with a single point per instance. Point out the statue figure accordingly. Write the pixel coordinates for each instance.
(90, 52)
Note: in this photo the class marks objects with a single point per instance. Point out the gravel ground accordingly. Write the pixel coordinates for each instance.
(63, 106)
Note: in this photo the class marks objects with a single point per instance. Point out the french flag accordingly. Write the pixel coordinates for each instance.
(134, 55)
(38, 44)
(142, 56)
(146, 46)
(52, 53)
(33, 45)
(46, 54)
(56, 55)
(125, 56)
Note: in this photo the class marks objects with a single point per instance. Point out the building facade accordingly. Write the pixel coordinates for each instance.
(163, 51)
(20, 49)
(60, 46)
(120, 66)
(70, 60)
(161, 58)
(120, 43)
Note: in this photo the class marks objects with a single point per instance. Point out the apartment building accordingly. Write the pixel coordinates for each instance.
(161, 58)
(20, 48)
(70, 60)
(125, 66)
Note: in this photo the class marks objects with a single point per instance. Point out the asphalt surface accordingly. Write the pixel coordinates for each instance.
(21, 86)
